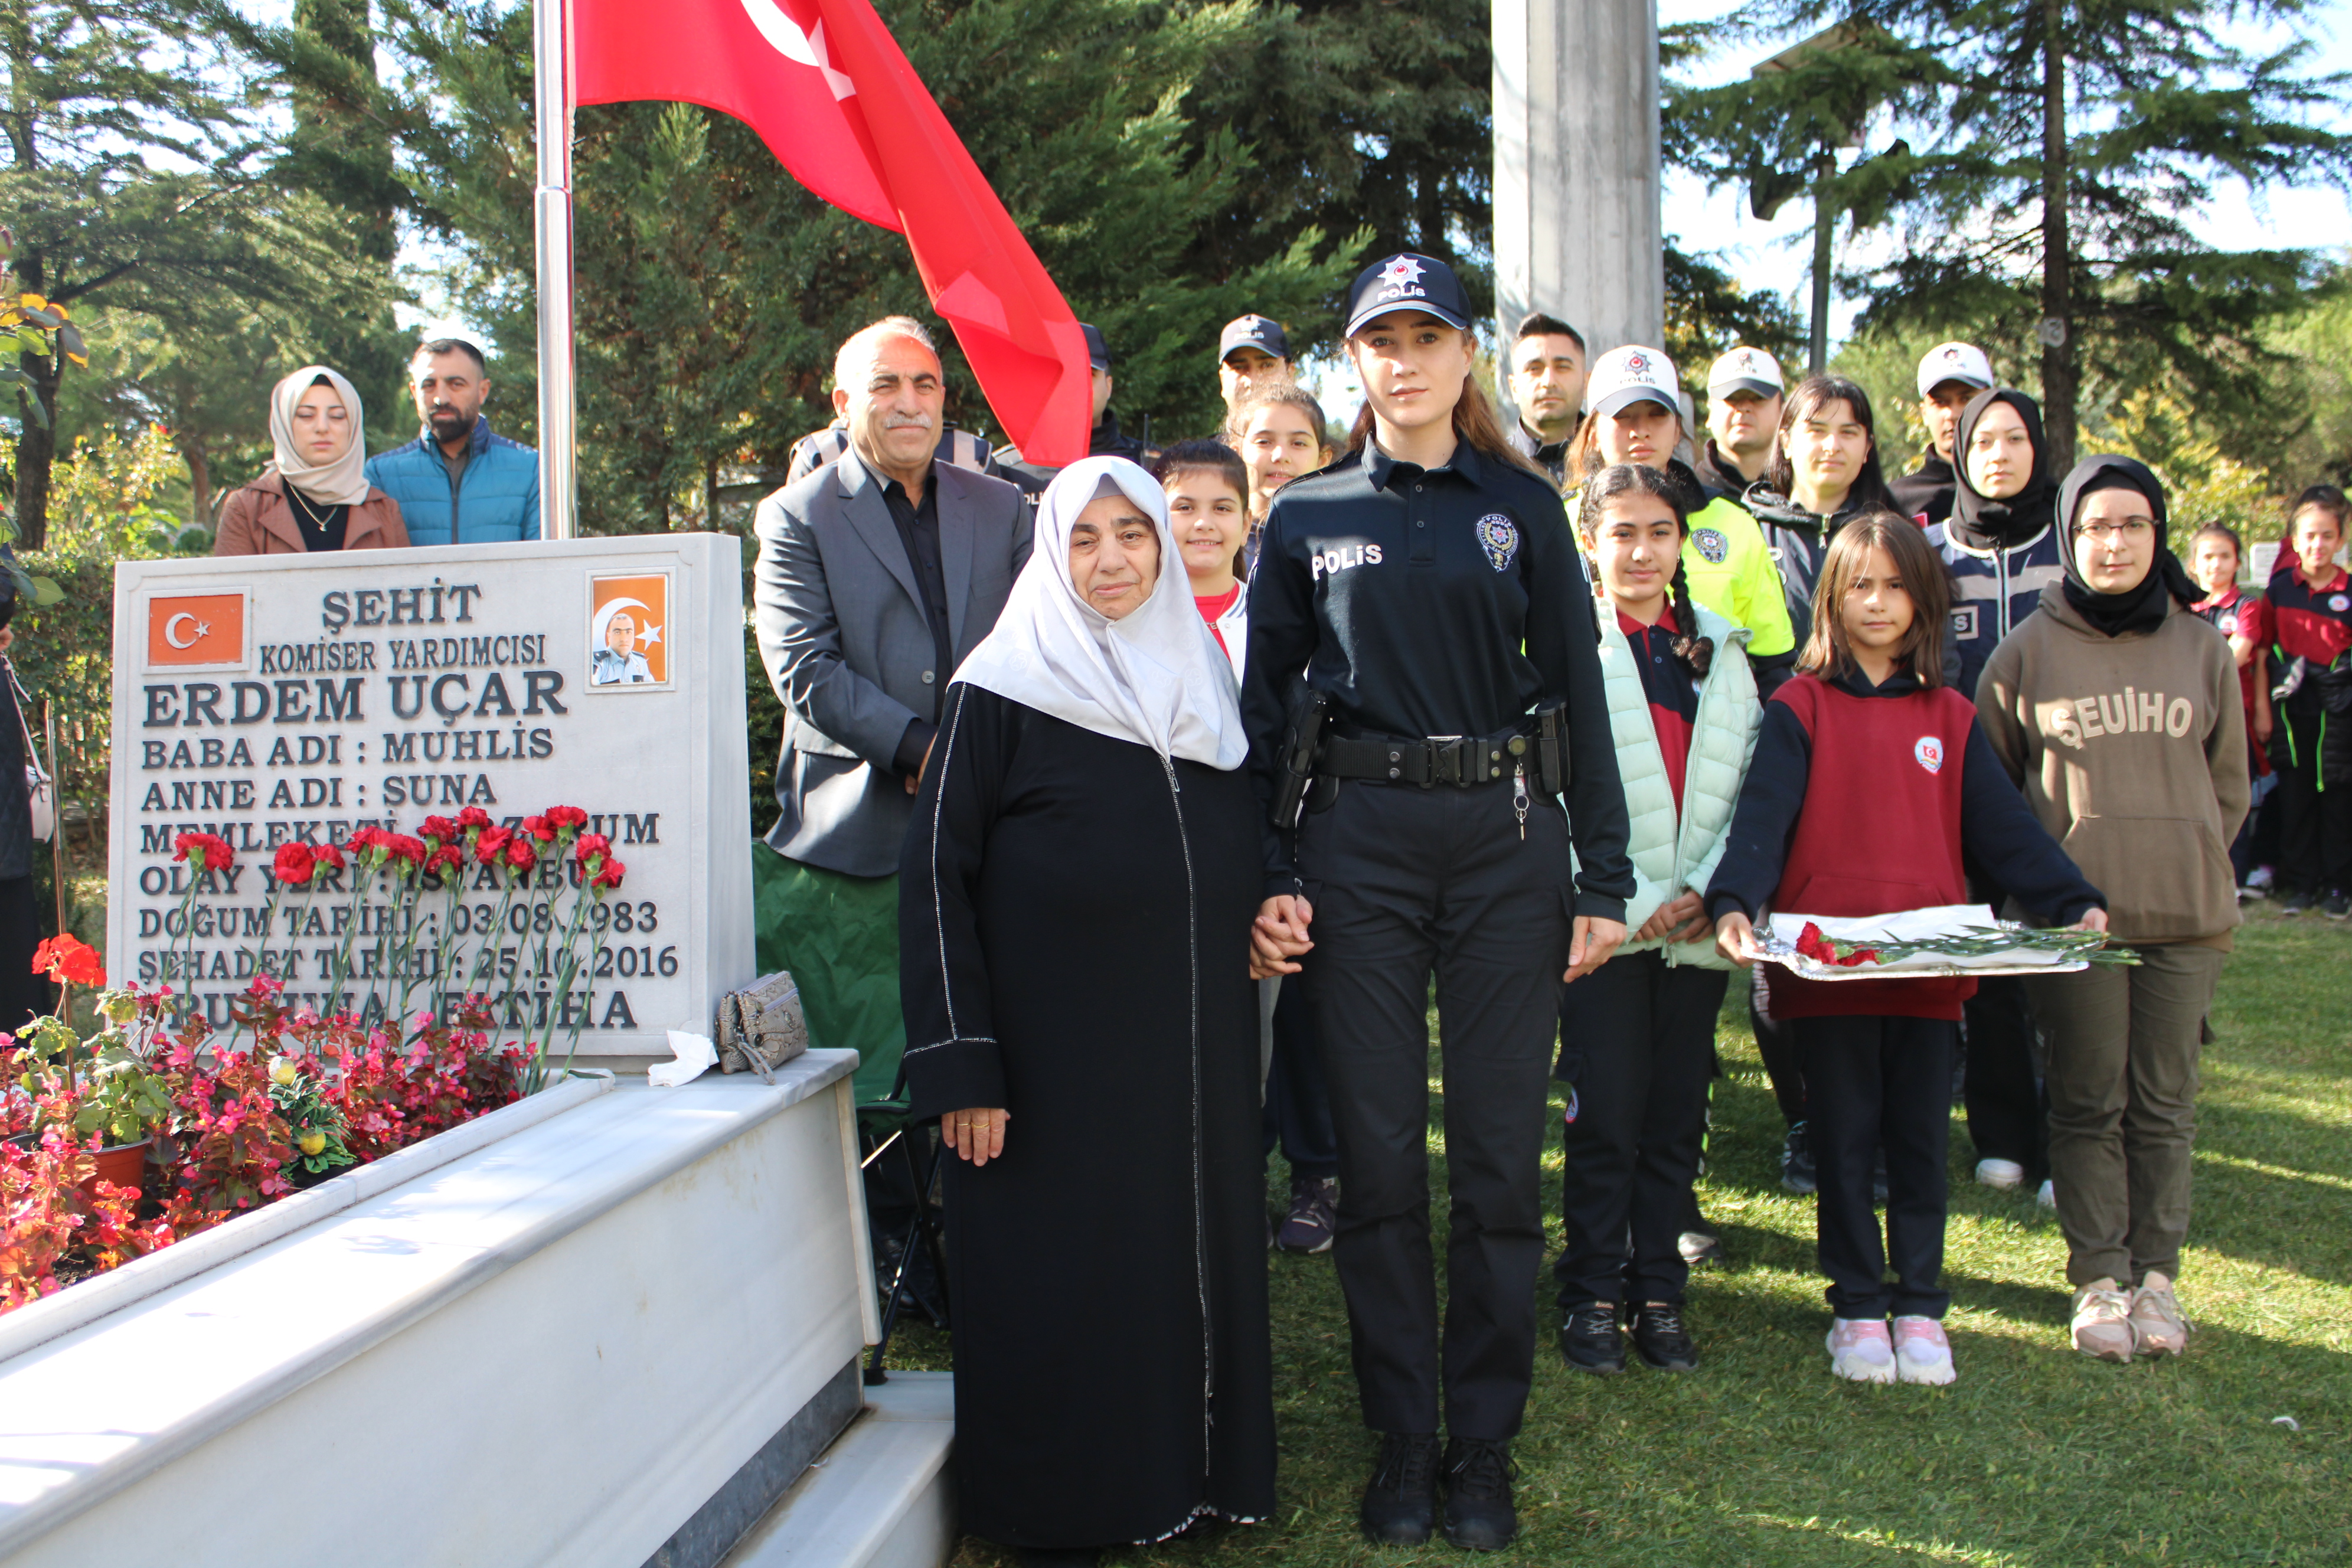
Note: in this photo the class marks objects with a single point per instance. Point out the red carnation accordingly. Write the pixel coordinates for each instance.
(1814, 946)
(444, 855)
(487, 844)
(441, 830)
(540, 828)
(473, 817)
(590, 846)
(207, 851)
(520, 852)
(294, 865)
(400, 847)
(330, 854)
(608, 875)
(570, 818)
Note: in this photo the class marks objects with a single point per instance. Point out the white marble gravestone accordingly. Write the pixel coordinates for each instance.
(298, 698)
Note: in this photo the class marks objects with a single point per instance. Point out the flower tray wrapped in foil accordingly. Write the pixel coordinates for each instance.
(1951, 940)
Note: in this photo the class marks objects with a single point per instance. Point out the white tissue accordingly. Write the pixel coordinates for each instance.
(696, 1055)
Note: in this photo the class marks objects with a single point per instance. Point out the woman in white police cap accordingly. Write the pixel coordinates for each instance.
(1427, 584)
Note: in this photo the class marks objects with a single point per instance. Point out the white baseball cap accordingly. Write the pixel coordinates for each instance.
(1745, 369)
(1963, 363)
(1632, 374)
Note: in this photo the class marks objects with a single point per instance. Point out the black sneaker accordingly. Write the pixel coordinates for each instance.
(1659, 1335)
(2295, 902)
(1479, 1513)
(2336, 906)
(1401, 1500)
(1314, 1214)
(1797, 1160)
(1591, 1340)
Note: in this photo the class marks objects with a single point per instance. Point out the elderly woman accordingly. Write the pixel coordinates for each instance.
(1075, 897)
(313, 496)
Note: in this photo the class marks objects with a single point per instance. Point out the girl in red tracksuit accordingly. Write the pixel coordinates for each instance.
(1871, 780)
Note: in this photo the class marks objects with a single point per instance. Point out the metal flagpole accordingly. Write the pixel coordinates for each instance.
(551, 201)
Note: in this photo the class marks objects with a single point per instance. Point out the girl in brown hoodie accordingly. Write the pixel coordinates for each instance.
(2116, 711)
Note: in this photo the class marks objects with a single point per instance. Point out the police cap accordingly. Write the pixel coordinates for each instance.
(1406, 282)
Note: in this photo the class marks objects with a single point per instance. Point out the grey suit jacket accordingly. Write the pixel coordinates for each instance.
(843, 635)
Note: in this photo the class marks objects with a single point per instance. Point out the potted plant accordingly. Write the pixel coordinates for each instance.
(107, 1085)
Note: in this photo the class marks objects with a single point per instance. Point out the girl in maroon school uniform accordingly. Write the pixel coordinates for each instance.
(1871, 782)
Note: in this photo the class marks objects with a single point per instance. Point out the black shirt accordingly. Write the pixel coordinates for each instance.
(1550, 456)
(918, 531)
(322, 527)
(1444, 601)
(1928, 491)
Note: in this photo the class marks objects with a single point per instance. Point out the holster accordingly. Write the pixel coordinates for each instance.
(1302, 743)
(1552, 749)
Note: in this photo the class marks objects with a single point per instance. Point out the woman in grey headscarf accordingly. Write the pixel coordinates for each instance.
(314, 496)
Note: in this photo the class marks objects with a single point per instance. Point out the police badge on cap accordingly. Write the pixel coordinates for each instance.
(1406, 282)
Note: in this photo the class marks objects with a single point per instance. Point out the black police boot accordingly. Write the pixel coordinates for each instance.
(1589, 1339)
(1659, 1335)
(1401, 1500)
(1479, 1513)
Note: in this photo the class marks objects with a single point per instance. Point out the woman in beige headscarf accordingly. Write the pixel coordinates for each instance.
(314, 497)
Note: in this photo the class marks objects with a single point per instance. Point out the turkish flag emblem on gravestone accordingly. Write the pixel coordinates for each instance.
(197, 631)
(831, 93)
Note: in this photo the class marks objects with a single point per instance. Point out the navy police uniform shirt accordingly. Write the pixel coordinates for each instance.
(1444, 601)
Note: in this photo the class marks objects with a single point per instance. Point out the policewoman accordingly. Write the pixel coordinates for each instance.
(1427, 584)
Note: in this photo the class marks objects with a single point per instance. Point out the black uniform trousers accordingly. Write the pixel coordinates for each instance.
(1637, 1039)
(1869, 1079)
(2315, 815)
(1406, 881)
(1298, 1101)
(2006, 1119)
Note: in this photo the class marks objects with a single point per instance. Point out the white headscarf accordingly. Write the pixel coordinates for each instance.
(339, 483)
(1155, 677)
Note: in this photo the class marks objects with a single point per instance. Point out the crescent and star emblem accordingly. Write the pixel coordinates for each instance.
(785, 36)
(172, 630)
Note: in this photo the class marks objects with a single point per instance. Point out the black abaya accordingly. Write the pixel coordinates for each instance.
(1074, 921)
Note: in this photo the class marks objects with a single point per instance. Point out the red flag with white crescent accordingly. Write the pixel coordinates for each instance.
(831, 93)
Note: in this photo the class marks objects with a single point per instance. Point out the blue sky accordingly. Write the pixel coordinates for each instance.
(1776, 256)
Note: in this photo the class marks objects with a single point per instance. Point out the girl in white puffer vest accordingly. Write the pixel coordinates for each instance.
(1638, 1034)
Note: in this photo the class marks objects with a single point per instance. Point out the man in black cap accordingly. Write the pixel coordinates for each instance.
(1106, 442)
(1252, 353)
(1547, 369)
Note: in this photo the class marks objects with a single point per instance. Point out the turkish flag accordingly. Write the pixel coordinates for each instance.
(831, 93)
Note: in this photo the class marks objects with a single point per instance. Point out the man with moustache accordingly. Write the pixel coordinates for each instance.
(1546, 372)
(459, 482)
(878, 573)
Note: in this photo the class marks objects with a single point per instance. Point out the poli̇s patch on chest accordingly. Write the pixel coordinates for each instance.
(1499, 537)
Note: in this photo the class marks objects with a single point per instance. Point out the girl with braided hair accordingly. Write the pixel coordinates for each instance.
(1683, 712)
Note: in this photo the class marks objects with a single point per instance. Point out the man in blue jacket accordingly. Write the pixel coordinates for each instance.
(458, 483)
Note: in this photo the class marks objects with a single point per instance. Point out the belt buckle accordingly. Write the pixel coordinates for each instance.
(1446, 754)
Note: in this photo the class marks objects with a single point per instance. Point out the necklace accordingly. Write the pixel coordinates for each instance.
(303, 504)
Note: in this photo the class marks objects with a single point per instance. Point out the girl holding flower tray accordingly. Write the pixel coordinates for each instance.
(1871, 780)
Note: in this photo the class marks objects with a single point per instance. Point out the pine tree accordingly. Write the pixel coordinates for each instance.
(135, 181)
(2054, 155)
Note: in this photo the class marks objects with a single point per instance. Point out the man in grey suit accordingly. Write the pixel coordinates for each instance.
(878, 573)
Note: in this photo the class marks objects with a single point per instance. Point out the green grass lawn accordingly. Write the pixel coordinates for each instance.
(2036, 1455)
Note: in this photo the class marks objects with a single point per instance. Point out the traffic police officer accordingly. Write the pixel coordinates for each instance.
(1427, 584)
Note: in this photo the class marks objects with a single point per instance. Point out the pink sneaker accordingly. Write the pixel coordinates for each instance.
(1860, 1350)
(1922, 1353)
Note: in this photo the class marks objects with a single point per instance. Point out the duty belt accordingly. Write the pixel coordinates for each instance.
(1459, 759)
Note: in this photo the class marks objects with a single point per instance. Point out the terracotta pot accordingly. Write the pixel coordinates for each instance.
(124, 1164)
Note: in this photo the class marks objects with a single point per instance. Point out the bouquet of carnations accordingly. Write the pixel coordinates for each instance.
(1949, 940)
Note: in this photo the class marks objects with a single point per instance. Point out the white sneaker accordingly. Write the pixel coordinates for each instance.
(1922, 1353)
(2048, 1196)
(2261, 879)
(1860, 1350)
(2155, 1316)
(2103, 1327)
(2002, 1173)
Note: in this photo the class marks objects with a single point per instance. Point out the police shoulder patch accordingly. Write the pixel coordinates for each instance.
(1499, 537)
(1712, 544)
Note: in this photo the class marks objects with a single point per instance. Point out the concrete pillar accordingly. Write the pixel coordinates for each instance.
(1577, 167)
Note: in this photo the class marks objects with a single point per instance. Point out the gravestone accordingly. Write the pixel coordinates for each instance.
(298, 700)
